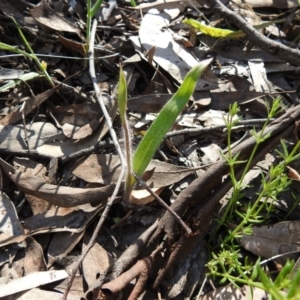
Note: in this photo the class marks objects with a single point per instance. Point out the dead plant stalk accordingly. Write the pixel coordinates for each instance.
(118, 148)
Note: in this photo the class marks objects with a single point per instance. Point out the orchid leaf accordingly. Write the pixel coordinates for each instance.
(165, 119)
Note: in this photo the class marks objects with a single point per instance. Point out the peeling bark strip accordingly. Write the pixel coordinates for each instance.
(140, 271)
(129, 256)
(279, 50)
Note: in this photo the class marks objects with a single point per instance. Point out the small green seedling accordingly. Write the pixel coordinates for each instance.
(159, 128)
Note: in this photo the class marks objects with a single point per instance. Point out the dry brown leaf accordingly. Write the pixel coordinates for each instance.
(78, 133)
(71, 113)
(36, 293)
(96, 262)
(143, 197)
(9, 220)
(271, 240)
(34, 169)
(30, 257)
(12, 137)
(34, 257)
(30, 104)
(8, 240)
(31, 168)
(72, 45)
(169, 55)
(76, 290)
(161, 5)
(79, 120)
(38, 205)
(9, 250)
(235, 54)
(222, 100)
(8, 8)
(202, 99)
(259, 76)
(293, 174)
(152, 103)
(273, 3)
(46, 16)
(105, 168)
(59, 195)
(231, 292)
(58, 149)
(61, 244)
(58, 219)
(98, 168)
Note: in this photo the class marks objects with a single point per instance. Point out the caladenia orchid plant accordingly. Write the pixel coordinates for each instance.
(140, 159)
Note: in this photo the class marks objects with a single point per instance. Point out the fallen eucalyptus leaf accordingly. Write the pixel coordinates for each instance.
(59, 195)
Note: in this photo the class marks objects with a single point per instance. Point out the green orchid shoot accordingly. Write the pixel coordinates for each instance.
(159, 128)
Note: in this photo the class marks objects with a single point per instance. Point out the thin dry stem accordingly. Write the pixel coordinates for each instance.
(118, 148)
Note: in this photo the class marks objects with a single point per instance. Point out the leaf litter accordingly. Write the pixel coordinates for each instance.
(59, 166)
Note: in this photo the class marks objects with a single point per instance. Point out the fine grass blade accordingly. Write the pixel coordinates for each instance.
(164, 121)
(95, 8)
(122, 96)
(133, 3)
(24, 78)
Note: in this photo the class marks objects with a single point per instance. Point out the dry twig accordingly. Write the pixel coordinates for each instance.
(118, 148)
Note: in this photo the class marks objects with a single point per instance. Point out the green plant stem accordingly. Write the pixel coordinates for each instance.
(274, 292)
(32, 55)
(232, 161)
(90, 13)
(127, 139)
(293, 153)
(240, 280)
(258, 142)
(254, 210)
(88, 24)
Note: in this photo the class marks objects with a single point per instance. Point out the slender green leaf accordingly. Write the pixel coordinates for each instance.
(23, 37)
(122, 95)
(133, 3)
(283, 274)
(30, 55)
(165, 120)
(264, 279)
(95, 8)
(25, 77)
(15, 50)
